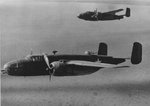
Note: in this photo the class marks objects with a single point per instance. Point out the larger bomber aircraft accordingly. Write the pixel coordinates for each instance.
(69, 65)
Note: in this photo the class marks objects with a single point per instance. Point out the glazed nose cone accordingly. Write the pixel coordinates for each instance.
(79, 16)
(5, 68)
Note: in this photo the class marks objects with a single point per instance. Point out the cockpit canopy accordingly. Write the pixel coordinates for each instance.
(34, 57)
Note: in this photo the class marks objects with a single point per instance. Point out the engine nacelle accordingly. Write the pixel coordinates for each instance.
(57, 64)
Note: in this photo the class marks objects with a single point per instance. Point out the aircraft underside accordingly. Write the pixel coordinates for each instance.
(75, 70)
(104, 17)
(62, 71)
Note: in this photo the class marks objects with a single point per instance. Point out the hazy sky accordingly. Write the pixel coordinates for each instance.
(45, 26)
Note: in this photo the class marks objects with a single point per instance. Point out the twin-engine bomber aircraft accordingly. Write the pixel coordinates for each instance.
(106, 16)
(69, 65)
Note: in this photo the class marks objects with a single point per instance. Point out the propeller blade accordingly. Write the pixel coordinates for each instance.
(50, 75)
(46, 60)
(50, 70)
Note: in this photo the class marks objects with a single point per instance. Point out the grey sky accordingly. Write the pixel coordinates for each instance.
(45, 26)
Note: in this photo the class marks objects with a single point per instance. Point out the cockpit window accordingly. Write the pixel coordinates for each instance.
(28, 57)
(34, 57)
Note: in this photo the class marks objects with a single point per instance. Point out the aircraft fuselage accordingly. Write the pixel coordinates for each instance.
(35, 65)
(89, 16)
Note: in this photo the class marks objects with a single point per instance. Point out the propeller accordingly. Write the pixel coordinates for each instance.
(50, 68)
(96, 14)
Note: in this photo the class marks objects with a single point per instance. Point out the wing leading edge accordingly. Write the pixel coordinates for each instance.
(93, 64)
(114, 11)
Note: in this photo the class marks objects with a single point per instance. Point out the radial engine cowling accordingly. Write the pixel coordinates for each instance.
(57, 65)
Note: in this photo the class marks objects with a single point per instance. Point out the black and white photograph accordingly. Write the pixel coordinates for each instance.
(75, 52)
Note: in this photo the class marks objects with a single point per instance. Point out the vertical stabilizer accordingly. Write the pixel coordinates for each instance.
(102, 50)
(136, 56)
(127, 12)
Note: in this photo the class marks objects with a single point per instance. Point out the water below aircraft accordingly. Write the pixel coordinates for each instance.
(105, 16)
(69, 65)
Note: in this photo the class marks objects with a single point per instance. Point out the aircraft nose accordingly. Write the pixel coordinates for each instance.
(79, 16)
(7, 67)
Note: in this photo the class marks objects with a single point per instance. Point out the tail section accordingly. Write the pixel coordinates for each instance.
(127, 14)
(136, 56)
(102, 50)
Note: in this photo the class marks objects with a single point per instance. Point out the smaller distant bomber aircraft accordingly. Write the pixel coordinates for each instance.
(105, 16)
(69, 65)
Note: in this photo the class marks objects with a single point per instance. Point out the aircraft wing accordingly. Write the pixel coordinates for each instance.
(93, 64)
(114, 11)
